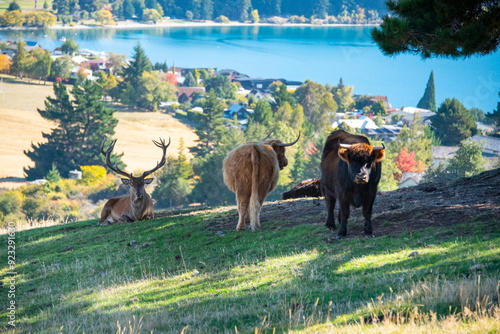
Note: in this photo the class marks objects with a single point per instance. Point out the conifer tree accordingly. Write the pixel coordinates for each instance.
(128, 9)
(211, 129)
(81, 126)
(453, 122)
(495, 115)
(428, 101)
(20, 59)
(434, 28)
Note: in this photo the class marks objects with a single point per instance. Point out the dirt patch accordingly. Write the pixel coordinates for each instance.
(471, 200)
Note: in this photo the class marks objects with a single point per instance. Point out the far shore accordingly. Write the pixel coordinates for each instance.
(183, 24)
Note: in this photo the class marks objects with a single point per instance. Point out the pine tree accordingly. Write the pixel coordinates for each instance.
(211, 129)
(190, 81)
(468, 160)
(132, 75)
(81, 126)
(428, 101)
(453, 122)
(128, 9)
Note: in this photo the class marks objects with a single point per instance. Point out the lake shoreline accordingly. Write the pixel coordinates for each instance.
(183, 24)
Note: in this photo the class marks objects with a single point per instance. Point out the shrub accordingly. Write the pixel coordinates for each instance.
(222, 19)
(92, 175)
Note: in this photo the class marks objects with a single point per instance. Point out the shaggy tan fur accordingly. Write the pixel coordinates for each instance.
(251, 171)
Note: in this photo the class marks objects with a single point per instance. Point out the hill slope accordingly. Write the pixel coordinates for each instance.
(191, 271)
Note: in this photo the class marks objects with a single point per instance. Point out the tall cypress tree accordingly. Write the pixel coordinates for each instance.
(81, 126)
(128, 9)
(428, 101)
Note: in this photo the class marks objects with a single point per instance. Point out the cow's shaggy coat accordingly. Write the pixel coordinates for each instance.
(251, 171)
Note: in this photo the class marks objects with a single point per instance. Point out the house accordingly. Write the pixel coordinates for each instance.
(100, 65)
(491, 145)
(30, 46)
(424, 117)
(78, 60)
(238, 113)
(361, 123)
(263, 84)
(386, 133)
(409, 179)
(188, 93)
(441, 154)
(231, 74)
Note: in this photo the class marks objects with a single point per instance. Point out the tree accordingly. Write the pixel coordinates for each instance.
(104, 17)
(428, 101)
(5, 62)
(254, 16)
(13, 6)
(453, 122)
(342, 95)
(468, 160)
(174, 184)
(406, 162)
(378, 108)
(61, 67)
(13, 19)
(280, 93)
(151, 15)
(64, 7)
(132, 74)
(262, 113)
(211, 129)
(439, 28)
(20, 59)
(495, 114)
(42, 64)
(139, 7)
(222, 87)
(190, 80)
(152, 90)
(81, 126)
(319, 106)
(207, 9)
(117, 61)
(128, 9)
(69, 47)
(117, 8)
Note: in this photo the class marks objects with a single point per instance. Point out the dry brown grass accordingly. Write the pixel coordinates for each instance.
(21, 124)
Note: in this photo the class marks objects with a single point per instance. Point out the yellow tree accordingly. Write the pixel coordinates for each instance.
(13, 19)
(5, 62)
(105, 17)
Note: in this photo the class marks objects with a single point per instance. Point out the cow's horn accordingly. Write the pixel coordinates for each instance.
(379, 147)
(344, 145)
(290, 144)
(266, 136)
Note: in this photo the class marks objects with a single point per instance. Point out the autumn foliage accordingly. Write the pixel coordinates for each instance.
(406, 162)
(169, 77)
(5, 62)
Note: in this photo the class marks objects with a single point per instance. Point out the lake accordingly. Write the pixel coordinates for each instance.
(322, 54)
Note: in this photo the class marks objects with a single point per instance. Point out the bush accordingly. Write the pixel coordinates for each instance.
(92, 175)
(222, 19)
(180, 113)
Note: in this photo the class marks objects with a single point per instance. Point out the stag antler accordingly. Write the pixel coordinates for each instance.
(160, 144)
(290, 144)
(107, 154)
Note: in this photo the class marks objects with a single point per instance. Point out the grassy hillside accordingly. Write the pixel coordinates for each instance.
(21, 125)
(433, 267)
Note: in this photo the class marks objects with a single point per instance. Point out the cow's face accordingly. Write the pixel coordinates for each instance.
(361, 158)
(280, 153)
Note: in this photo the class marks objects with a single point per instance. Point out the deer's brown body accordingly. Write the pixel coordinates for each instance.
(137, 205)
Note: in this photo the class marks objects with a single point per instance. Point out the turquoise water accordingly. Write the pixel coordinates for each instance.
(322, 54)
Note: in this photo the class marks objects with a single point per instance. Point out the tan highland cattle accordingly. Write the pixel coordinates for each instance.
(251, 171)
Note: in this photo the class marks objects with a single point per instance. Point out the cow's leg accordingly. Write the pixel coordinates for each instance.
(254, 211)
(367, 213)
(330, 207)
(243, 202)
(344, 213)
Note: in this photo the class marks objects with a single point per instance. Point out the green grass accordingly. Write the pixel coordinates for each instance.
(26, 5)
(181, 274)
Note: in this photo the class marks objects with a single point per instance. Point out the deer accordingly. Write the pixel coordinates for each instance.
(137, 205)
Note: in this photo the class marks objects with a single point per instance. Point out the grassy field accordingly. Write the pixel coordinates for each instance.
(26, 5)
(21, 125)
(192, 273)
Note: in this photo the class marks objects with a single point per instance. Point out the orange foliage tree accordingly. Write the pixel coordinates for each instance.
(406, 162)
(169, 77)
(5, 62)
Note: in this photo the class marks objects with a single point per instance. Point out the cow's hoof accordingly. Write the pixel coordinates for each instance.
(330, 227)
(369, 236)
(240, 228)
(338, 237)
